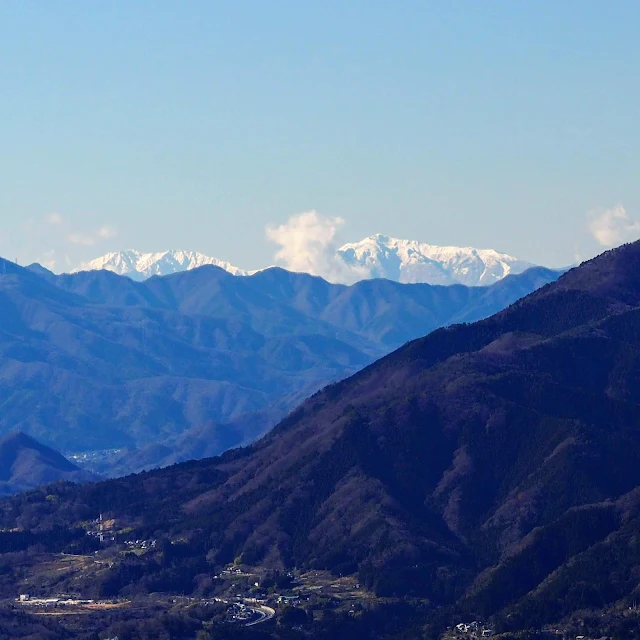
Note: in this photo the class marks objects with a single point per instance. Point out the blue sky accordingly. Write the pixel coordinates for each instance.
(152, 125)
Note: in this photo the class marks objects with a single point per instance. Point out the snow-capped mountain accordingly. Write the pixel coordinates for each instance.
(140, 266)
(377, 256)
(380, 256)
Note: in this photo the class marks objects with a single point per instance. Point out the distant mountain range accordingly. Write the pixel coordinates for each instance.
(378, 256)
(410, 261)
(491, 468)
(140, 266)
(25, 464)
(199, 361)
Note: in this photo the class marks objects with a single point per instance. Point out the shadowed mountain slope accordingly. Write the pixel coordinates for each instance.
(490, 465)
(96, 361)
(25, 464)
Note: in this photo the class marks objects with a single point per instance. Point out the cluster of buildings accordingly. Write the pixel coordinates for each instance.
(288, 599)
(474, 629)
(63, 601)
(239, 612)
(230, 571)
(140, 544)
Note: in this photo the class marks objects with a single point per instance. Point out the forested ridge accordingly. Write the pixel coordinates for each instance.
(489, 471)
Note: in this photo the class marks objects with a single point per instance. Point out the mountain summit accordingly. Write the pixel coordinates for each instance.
(140, 266)
(94, 360)
(411, 261)
(26, 463)
(494, 466)
(377, 256)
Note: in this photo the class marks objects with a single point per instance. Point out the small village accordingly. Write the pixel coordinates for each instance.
(473, 629)
(244, 595)
(308, 590)
(235, 594)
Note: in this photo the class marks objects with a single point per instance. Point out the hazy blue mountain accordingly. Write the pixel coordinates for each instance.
(25, 464)
(491, 468)
(95, 361)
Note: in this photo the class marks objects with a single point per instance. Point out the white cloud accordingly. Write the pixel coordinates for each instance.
(107, 232)
(54, 219)
(82, 238)
(308, 243)
(89, 240)
(613, 226)
(577, 253)
(47, 259)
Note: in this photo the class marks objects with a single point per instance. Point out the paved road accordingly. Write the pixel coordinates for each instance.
(265, 613)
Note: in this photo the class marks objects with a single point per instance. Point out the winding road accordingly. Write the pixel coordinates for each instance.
(265, 613)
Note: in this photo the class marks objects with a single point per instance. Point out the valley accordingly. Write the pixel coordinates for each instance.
(319, 320)
(297, 603)
(136, 375)
(487, 472)
(237, 596)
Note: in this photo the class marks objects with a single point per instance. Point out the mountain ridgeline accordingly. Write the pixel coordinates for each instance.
(493, 467)
(380, 256)
(25, 463)
(377, 256)
(197, 362)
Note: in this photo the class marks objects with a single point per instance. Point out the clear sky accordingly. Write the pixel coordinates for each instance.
(153, 125)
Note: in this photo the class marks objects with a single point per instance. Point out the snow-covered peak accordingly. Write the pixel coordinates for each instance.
(413, 261)
(139, 266)
(377, 256)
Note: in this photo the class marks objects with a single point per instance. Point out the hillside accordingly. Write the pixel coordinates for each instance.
(26, 464)
(493, 466)
(94, 361)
